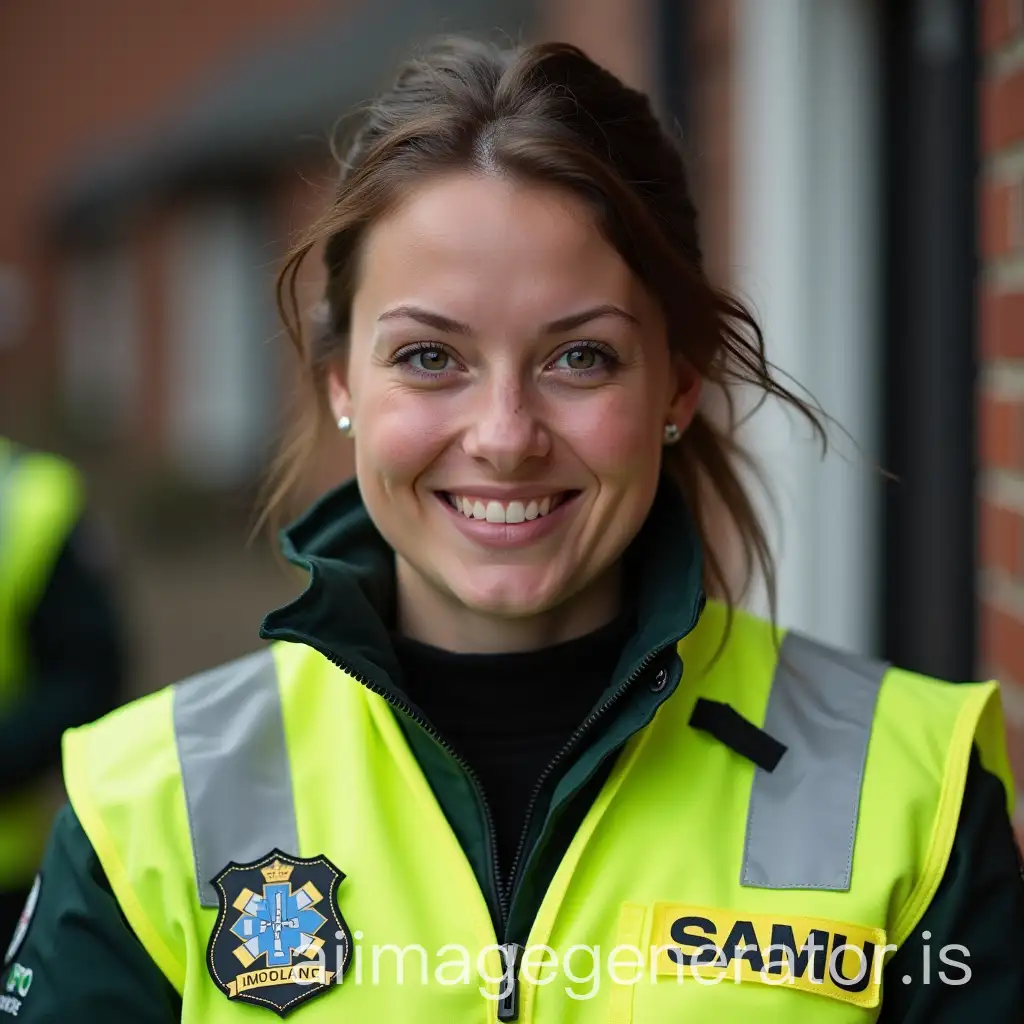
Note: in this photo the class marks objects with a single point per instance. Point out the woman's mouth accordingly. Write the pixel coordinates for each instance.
(510, 511)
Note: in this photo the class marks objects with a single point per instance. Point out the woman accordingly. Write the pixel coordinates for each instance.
(503, 760)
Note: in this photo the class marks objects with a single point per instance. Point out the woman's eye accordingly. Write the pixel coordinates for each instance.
(583, 358)
(429, 360)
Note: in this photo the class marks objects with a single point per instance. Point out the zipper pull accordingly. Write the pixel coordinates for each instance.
(511, 958)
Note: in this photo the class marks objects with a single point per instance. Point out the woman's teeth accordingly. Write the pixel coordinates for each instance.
(503, 512)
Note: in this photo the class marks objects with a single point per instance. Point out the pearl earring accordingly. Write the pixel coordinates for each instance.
(345, 425)
(672, 433)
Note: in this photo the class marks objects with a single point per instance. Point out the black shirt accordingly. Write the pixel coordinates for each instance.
(508, 715)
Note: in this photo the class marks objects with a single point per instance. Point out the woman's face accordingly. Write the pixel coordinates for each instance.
(509, 381)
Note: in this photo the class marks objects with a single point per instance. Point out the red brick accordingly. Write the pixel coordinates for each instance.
(1000, 425)
(1002, 539)
(998, 23)
(1015, 748)
(713, 25)
(1000, 209)
(153, 240)
(1002, 111)
(1002, 324)
(1002, 638)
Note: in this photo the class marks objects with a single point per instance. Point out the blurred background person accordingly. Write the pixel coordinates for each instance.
(61, 650)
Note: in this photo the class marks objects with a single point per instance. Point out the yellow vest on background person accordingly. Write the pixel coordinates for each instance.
(41, 498)
(290, 785)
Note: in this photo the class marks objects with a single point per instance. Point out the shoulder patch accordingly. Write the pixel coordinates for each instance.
(27, 913)
(280, 938)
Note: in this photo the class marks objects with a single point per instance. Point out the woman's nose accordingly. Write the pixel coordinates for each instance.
(505, 430)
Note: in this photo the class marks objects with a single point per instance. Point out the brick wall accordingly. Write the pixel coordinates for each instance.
(1001, 394)
(74, 75)
(710, 147)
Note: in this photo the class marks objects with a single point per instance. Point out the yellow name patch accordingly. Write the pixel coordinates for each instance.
(716, 946)
(296, 974)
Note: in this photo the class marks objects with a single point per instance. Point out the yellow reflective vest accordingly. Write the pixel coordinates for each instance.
(273, 842)
(40, 500)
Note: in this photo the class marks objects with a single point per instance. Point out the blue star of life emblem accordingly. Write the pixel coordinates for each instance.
(286, 941)
(279, 922)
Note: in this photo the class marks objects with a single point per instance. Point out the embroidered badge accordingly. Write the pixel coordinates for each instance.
(280, 938)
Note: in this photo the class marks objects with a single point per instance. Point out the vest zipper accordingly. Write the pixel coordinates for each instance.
(511, 951)
(508, 1007)
(562, 754)
(511, 959)
(492, 833)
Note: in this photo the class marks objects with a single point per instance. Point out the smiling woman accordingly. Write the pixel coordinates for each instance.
(503, 362)
(478, 237)
(518, 714)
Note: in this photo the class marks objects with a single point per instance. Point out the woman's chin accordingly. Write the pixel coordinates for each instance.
(513, 595)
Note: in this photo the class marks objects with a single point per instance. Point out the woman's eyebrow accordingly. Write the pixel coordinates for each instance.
(569, 323)
(427, 318)
(439, 322)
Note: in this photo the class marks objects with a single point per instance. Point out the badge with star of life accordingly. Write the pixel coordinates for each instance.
(280, 938)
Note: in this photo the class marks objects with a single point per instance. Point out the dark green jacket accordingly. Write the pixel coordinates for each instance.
(87, 965)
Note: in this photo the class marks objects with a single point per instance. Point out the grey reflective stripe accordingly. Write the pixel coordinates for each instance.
(234, 765)
(802, 817)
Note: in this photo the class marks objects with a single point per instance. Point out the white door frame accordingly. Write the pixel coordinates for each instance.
(807, 158)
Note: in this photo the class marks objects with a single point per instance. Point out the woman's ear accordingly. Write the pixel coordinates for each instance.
(337, 392)
(686, 396)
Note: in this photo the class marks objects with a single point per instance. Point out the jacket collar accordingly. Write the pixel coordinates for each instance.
(348, 607)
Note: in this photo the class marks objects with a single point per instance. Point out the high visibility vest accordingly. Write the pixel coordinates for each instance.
(41, 498)
(700, 886)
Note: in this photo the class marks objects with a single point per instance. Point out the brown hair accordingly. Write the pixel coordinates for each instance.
(547, 113)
